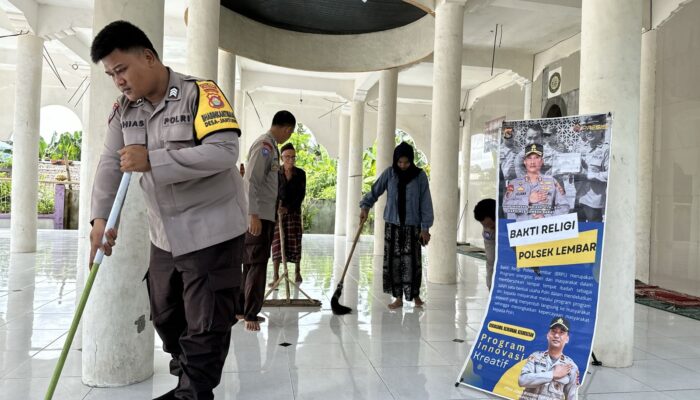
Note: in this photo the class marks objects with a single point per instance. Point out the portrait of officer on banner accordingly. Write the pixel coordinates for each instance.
(592, 180)
(551, 375)
(534, 195)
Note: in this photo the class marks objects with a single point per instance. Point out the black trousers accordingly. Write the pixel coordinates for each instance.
(255, 258)
(193, 307)
(590, 214)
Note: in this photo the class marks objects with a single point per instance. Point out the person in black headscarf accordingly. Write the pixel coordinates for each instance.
(408, 217)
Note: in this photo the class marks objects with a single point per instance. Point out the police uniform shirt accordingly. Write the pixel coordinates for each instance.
(262, 177)
(508, 159)
(550, 155)
(516, 201)
(537, 377)
(194, 199)
(594, 177)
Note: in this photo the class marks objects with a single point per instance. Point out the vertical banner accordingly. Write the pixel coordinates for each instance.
(536, 337)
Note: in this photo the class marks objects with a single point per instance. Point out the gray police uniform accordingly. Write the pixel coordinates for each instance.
(550, 154)
(537, 377)
(508, 159)
(593, 180)
(196, 213)
(516, 201)
(261, 177)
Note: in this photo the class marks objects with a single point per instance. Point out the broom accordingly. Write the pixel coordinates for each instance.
(339, 309)
(111, 222)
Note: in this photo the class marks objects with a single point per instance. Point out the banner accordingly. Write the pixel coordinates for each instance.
(537, 333)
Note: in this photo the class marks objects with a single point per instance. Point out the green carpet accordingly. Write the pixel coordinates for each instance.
(690, 312)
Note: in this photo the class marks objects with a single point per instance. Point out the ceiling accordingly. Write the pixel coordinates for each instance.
(329, 17)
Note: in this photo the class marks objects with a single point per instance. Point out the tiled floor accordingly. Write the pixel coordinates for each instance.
(373, 353)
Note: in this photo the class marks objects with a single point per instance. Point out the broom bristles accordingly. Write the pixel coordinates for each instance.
(339, 309)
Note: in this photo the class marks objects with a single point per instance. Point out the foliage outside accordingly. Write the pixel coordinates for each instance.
(45, 203)
(321, 171)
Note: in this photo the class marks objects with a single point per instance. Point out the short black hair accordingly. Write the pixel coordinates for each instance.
(119, 35)
(288, 146)
(284, 118)
(485, 208)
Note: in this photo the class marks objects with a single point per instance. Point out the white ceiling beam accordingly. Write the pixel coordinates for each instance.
(77, 46)
(57, 21)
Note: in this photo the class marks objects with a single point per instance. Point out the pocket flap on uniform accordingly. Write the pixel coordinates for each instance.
(134, 136)
(178, 133)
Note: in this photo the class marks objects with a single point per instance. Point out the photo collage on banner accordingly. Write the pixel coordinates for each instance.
(536, 337)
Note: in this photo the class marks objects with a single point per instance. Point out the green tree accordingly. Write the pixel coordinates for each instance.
(65, 146)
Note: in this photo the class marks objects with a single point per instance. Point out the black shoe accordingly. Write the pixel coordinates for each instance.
(168, 396)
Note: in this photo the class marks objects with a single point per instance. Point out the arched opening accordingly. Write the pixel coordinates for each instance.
(61, 133)
(554, 111)
(554, 108)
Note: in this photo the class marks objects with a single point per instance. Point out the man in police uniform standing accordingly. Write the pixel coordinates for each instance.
(508, 155)
(534, 195)
(532, 135)
(181, 133)
(592, 182)
(551, 375)
(262, 180)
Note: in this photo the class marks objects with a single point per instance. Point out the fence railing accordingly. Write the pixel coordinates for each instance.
(53, 202)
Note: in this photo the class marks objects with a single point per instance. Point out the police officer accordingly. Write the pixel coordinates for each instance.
(532, 135)
(181, 133)
(592, 182)
(534, 195)
(262, 177)
(508, 155)
(551, 375)
(551, 148)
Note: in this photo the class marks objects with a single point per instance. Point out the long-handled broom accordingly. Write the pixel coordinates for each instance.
(307, 302)
(111, 222)
(339, 309)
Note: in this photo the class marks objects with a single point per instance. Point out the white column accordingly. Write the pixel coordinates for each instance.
(527, 107)
(203, 38)
(386, 131)
(341, 189)
(226, 75)
(444, 141)
(464, 211)
(646, 153)
(611, 52)
(357, 119)
(117, 346)
(25, 136)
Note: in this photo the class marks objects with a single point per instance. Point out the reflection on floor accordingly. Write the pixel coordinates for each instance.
(373, 353)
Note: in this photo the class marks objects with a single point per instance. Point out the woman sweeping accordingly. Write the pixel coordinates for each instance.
(408, 217)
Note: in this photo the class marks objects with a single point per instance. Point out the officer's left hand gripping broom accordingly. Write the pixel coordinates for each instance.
(111, 221)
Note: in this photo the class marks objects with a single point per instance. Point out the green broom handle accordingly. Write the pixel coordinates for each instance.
(111, 222)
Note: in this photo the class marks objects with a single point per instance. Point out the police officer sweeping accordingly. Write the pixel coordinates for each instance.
(262, 181)
(181, 133)
(551, 375)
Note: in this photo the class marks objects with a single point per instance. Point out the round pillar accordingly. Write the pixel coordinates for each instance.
(117, 333)
(464, 211)
(357, 119)
(25, 137)
(386, 131)
(646, 153)
(226, 75)
(527, 107)
(203, 38)
(444, 140)
(341, 189)
(611, 52)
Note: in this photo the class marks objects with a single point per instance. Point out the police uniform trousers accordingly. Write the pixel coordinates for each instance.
(590, 214)
(192, 299)
(255, 258)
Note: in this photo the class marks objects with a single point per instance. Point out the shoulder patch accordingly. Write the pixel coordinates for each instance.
(115, 108)
(214, 112)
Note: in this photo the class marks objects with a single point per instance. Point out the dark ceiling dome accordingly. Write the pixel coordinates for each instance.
(330, 17)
